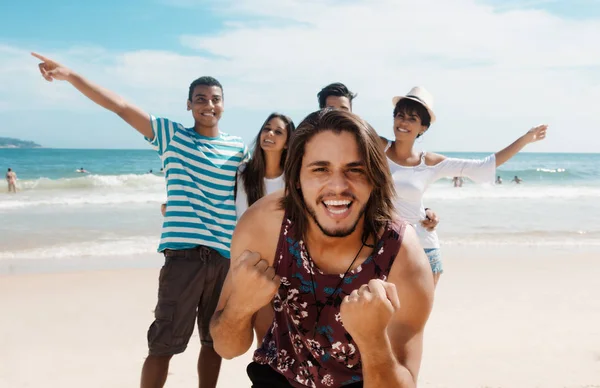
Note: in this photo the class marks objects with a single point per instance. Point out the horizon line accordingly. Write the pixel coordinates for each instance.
(150, 149)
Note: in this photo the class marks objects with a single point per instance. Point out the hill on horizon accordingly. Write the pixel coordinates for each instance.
(9, 142)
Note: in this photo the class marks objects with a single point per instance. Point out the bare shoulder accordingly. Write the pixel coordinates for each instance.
(411, 259)
(258, 229)
(411, 274)
(412, 277)
(432, 159)
(268, 207)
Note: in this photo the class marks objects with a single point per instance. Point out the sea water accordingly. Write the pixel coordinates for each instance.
(113, 212)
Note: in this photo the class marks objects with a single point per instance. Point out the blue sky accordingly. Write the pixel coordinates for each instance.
(495, 67)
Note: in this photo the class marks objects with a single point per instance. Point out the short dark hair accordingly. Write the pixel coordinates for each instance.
(336, 89)
(204, 81)
(380, 207)
(412, 107)
(9, 169)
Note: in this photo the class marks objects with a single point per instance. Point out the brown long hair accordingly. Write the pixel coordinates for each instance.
(380, 208)
(253, 176)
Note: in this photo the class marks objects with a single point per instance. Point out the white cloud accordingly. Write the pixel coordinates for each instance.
(493, 73)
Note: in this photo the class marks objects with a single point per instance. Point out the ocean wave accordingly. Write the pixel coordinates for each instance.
(523, 242)
(119, 247)
(532, 238)
(149, 188)
(507, 191)
(87, 190)
(545, 173)
(550, 170)
(96, 199)
(132, 181)
(143, 245)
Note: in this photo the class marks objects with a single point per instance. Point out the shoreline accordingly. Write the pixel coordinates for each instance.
(451, 251)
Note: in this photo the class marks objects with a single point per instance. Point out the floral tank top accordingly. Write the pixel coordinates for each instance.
(307, 342)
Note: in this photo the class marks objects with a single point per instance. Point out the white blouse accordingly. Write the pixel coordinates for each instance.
(411, 183)
(241, 199)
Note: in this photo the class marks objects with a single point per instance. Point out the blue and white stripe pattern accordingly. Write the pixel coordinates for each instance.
(200, 174)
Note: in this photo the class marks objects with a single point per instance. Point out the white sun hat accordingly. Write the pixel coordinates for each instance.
(420, 95)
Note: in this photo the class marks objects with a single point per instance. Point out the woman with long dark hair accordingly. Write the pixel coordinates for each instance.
(263, 174)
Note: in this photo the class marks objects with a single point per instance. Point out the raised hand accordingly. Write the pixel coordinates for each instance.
(431, 221)
(367, 311)
(254, 283)
(52, 70)
(536, 133)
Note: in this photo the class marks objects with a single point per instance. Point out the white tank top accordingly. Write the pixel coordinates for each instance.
(241, 199)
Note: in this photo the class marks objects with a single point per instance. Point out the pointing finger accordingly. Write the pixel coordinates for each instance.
(41, 57)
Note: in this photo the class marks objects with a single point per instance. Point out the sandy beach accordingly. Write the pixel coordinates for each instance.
(516, 317)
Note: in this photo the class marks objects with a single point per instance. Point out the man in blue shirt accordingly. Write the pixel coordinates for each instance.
(200, 165)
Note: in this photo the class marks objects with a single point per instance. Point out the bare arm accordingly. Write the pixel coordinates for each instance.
(231, 327)
(392, 357)
(246, 290)
(533, 135)
(133, 115)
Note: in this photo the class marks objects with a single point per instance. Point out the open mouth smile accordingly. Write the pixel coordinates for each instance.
(337, 207)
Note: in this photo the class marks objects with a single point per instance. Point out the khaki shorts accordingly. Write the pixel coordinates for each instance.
(189, 286)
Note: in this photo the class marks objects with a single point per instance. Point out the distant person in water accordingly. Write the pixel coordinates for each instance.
(517, 180)
(11, 179)
(458, 181)
(82, 171)
(498, 180)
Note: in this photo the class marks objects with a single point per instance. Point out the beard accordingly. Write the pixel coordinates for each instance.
(336, 232)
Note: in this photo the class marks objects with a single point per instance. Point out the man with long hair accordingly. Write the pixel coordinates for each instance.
(325, 256)
(337, 95)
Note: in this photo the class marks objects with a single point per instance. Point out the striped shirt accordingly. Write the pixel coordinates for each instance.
(200, 174)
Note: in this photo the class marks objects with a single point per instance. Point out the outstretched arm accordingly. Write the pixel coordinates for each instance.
(134, 116)
(534, 134)
(481, 170)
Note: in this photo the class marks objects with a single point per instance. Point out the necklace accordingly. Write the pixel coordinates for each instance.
(314, 289)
